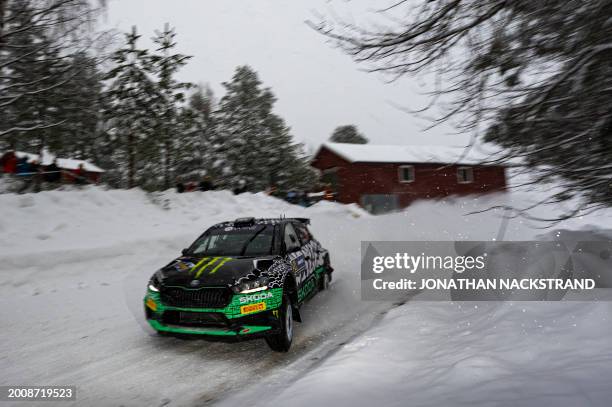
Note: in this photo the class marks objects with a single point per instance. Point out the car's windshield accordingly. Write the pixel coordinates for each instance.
(244, 241)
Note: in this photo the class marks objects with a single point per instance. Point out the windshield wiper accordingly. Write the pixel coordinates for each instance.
(251, 239)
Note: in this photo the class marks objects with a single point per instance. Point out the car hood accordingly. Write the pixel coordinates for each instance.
(196, 272)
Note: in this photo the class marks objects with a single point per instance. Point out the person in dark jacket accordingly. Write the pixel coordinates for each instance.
(36, 177)
(52, 173)
(241, 188)
(24, 171)
(206, 184)
(180, 187)
(23, 167)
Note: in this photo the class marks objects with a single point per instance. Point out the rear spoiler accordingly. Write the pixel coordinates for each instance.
(305, 221)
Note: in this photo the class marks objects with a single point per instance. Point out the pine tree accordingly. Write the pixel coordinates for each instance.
(199, 142)
(38, 42)
(131, 98)
(170, 94)
(256, 144)
(348, 134)
(80, 108)
(34, 73)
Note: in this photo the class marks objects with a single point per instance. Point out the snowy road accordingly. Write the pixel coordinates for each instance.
(82, 325)
(71, 304)
(74, 265)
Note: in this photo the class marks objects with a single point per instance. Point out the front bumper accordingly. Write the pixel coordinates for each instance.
(244, 317)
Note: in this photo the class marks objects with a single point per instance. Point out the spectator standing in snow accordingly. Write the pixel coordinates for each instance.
(329, 192)
(180, 187)
(303, 199)
(271, 190)
(206, 184)
(24, 171)
(52, 173)
(9, 162)
(291, 197)
(23, 167)
(241, 188)
(36, 177)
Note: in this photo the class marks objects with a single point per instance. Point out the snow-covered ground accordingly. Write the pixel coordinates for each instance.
(73, 267)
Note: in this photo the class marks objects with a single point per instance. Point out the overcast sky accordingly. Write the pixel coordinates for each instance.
(317, 86)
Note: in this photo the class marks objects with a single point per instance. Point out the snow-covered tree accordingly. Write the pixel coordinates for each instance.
(256, 147)
(39, 41)
(348, 134)
(131, 101)
(165, 64)
(197, 154)
(80, 108)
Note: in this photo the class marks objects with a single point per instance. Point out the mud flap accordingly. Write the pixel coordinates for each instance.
(296, 315)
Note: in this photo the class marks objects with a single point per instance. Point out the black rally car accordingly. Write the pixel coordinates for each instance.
(241, 279)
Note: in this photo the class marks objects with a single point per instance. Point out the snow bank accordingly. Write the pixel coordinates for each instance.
(94, 217)
(443, 354)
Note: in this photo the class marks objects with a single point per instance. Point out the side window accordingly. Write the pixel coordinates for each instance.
(406, 173)
(465, 175)
(291, 239)
(304, 234)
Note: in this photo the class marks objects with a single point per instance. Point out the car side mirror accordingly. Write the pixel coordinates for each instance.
(184, 251)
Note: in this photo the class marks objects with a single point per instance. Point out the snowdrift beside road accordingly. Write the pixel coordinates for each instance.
(94, 217)
(485, 354)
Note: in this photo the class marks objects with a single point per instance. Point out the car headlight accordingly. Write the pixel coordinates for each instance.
(154, 284)
(252, 286)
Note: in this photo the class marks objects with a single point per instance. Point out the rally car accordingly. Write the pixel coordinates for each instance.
(239, 280)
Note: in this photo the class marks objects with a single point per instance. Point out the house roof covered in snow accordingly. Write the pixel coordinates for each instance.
(374, 153)
(65, 163)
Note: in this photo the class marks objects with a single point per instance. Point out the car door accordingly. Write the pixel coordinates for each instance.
(294, 254)
(310, 248)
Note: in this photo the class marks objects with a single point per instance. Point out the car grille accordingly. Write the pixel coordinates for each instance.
(202, 298)
(209, 319)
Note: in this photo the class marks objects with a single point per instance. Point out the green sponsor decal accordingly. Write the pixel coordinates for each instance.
(306, 289)
(245, 330)
(205, 262)
(222, 262)
(309, 286)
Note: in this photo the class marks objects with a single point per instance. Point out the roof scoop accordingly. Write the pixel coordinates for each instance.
(245, 221)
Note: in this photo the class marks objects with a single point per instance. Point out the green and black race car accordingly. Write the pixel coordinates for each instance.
(240, 280)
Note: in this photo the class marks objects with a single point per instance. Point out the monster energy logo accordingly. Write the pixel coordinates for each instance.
(214, 262)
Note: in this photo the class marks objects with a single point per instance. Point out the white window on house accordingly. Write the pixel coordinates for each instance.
(406, 173)
(465, 175)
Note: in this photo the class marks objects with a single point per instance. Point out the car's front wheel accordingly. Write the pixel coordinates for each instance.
(281, 342)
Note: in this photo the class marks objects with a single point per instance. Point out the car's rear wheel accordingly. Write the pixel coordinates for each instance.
(281, 342)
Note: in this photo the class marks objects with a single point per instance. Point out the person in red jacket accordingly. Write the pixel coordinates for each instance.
(9, 162)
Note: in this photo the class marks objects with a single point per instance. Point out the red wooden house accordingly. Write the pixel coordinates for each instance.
(382, 178)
